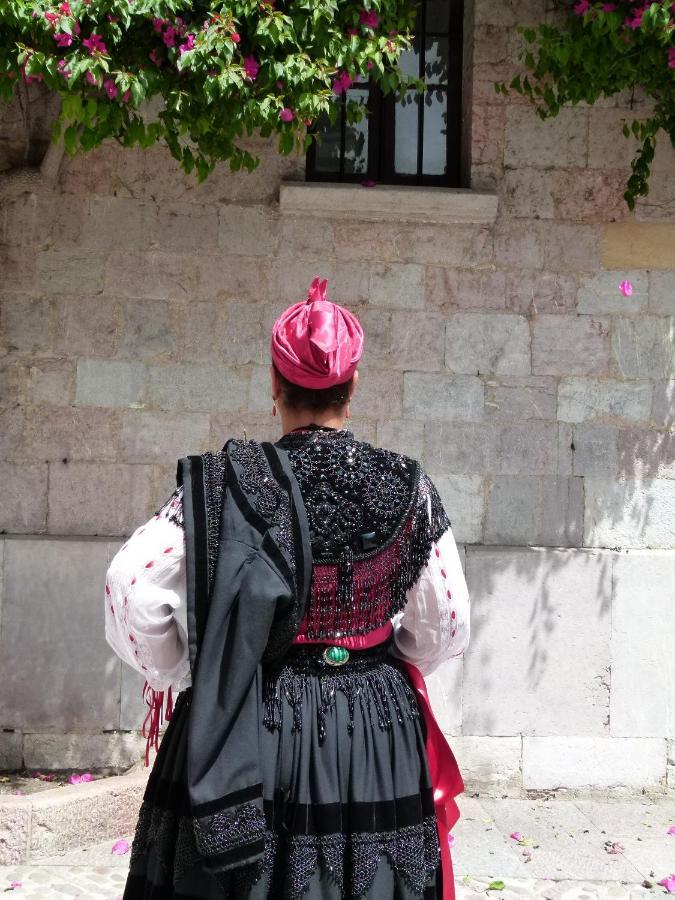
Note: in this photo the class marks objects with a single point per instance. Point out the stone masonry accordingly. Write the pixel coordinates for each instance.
(135, 309)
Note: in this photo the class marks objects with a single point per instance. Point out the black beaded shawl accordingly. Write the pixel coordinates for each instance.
(248, 566)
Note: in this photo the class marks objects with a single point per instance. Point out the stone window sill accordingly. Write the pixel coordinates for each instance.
(386, 202)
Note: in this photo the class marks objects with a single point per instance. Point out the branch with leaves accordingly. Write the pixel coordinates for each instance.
(214, 72)
(601, 50)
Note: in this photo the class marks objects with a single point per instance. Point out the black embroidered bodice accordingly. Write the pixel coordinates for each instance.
(371, 532)
(373, 515)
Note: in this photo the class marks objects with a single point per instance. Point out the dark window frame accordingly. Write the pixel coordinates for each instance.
(381, 121)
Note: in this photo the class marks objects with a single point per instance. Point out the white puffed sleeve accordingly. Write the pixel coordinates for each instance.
(145, 595)
(434, 624)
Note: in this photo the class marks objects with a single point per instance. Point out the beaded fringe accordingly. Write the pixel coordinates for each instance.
(358, 595)
(377, 689)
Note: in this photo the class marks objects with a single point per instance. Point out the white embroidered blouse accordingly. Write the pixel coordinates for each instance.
(145, 599)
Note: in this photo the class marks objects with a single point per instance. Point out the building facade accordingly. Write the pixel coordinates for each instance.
(135, 310)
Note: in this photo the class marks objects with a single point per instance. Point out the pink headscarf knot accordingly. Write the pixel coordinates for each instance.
(316, 343)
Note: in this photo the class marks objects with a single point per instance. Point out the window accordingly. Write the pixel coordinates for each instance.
(414, 141)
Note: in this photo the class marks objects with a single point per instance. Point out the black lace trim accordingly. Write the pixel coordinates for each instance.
(376, 686)
(172, 509)
(171, 838)
(351, 859)
(264, 492)
(229, 828)
(289, 861)
(214, 485)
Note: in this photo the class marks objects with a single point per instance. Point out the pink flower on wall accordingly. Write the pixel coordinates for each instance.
(342, 83)
(251, 67)
(626, 288)
(286, 114)
(110, 88)
(369, 18)
(95, 44)
(189, 43)
(62, 39)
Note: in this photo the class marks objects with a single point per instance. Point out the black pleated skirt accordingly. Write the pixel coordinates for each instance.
(347, 793)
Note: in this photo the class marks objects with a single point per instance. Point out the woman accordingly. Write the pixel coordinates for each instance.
(294, 593)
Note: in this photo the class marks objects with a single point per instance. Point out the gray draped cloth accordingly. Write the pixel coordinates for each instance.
(249, 564)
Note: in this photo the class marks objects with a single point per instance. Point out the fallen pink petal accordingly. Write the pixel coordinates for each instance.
(451, 840)
(671, 830)
(75, 779)
(668, 883)
(516, 836)
(15, 884)
(119, 848)
(626, 288)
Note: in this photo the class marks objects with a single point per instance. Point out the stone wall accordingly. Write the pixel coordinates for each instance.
(135, 311)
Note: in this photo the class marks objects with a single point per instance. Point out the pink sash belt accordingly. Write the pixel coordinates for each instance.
(445, 777)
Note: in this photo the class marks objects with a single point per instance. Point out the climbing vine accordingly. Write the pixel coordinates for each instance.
(600, 50)
(213, 72)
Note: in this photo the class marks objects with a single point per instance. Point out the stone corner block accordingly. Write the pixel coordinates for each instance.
(15, 822)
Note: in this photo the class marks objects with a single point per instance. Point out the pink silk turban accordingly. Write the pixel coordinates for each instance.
(316, 343)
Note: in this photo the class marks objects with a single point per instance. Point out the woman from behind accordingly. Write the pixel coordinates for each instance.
(295, 594)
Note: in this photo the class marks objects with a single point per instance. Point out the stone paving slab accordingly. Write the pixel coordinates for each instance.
(569, 863)
(107, 883)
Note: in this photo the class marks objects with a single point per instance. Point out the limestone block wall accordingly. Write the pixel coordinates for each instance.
(135, 309)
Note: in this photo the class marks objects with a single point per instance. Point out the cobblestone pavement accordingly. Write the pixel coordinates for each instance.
(559, 850)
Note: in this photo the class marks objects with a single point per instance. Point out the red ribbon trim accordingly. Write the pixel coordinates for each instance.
(445, 777)
(155, 717)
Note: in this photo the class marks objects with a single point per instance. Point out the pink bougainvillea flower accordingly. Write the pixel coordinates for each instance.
(516, 836)
(119, 848)
(636, 21)
(75, 779)
(369, 18)
(95, 44)
(286, 114)
(169, 36)
(671, 58)
(368, 182)
(155, 57)
(609, 7)
(110, 88)
(62, 39)
(125, 99)
(353, 32)
(157, 25)
(251, 67)
(235, 37)
(668, 883)
(370, 64)
(280, 85)
(53, 18)
(61, 66)
(64, 8)
(582, 7)
(614, 847)
(189, 43)
(342, 83)
(626, 288)
(671, 830)
(91, 78)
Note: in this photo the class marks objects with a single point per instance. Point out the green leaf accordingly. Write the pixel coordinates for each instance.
(496, 886)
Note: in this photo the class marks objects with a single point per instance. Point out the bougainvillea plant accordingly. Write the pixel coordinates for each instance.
(601, 50)
(213, 72)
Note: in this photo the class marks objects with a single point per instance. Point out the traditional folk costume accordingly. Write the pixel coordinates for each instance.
(294, 594)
